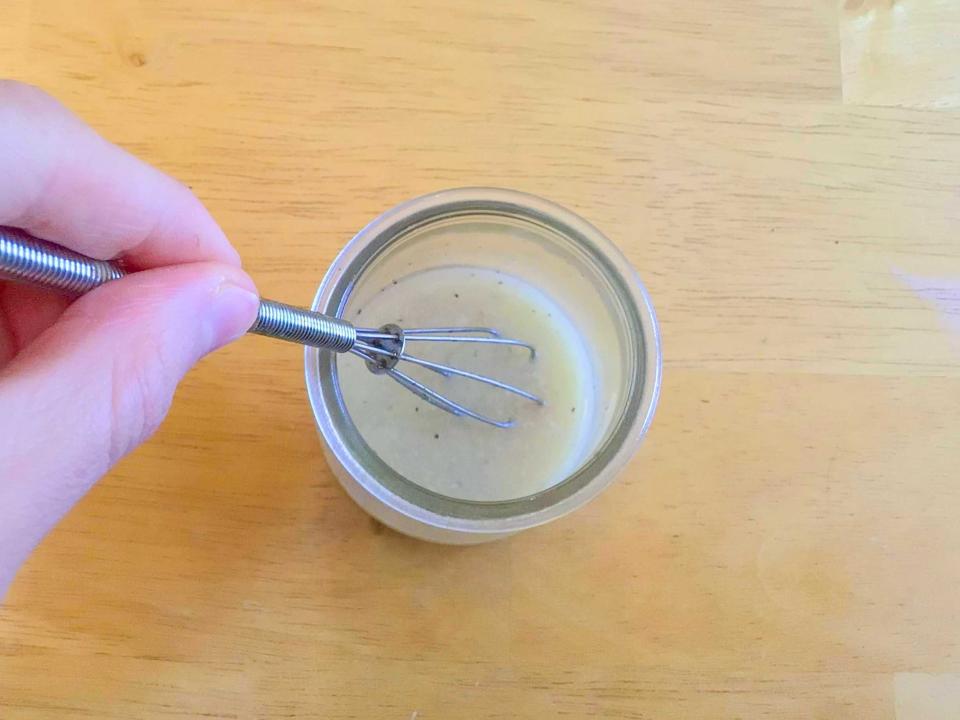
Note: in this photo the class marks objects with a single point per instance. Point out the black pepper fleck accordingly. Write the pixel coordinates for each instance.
(456, 295)
(573, 409)
(436, 436)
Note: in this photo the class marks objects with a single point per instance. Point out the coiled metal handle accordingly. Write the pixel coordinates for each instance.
(29, 259)
(24, 257)
(286, 322)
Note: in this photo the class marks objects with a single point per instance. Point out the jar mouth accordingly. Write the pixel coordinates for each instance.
(626, 294)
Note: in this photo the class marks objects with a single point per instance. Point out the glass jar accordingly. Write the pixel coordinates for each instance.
(548, 247)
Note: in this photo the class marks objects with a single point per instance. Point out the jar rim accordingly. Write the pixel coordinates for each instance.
(327, 402)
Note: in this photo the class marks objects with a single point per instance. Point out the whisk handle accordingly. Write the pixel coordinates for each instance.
(28, 259)
(293, 324)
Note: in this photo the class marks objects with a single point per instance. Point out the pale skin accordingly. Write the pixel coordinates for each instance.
(84, 382)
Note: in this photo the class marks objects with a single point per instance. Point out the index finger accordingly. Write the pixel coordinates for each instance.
(63, 182)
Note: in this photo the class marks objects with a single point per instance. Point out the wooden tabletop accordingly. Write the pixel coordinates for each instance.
(784, 175)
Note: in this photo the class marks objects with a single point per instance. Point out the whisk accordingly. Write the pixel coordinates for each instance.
(29, 259)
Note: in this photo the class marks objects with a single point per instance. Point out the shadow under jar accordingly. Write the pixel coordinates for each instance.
(537, 273)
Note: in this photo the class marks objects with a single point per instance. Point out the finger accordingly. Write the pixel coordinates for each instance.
(8, 346)
(26, 311)
(99, 381)
(64, 183)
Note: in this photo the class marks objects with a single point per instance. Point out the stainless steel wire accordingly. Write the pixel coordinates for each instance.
(28, 259)
(24, 257)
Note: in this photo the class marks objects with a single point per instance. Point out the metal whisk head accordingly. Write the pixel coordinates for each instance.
(383, 349)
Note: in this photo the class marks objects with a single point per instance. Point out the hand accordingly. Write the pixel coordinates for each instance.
(83, 383)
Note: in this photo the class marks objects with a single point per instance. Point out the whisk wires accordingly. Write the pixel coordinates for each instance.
(383, 349)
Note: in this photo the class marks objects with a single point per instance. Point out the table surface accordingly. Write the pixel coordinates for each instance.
(783, 175)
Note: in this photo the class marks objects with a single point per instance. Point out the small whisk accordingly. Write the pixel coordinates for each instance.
(28, 259)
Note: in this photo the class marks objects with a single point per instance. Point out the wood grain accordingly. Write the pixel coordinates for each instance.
(901, 52)
(785, 544)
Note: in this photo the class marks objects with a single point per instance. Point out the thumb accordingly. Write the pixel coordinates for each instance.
(100, 380)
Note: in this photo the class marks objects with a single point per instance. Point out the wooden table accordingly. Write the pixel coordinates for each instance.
(783, 174)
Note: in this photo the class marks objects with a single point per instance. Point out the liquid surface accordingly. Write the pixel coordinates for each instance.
(459, 457)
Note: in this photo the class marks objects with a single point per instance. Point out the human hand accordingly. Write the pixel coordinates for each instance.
(83, 383)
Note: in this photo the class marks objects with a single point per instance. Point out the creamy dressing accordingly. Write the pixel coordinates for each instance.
(460, 457)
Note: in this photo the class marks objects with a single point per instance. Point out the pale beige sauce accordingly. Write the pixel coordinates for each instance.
(460, 457)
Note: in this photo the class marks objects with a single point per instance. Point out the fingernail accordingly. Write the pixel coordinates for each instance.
(232, 312)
